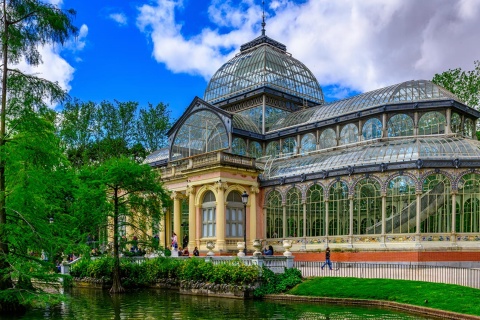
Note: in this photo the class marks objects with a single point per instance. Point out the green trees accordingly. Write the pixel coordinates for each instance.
(96, 132)
(24, 25)
(464, 84)
(128, 193)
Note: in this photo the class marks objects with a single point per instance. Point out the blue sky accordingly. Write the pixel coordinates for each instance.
(166, 50)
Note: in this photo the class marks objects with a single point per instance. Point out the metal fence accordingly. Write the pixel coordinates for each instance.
(440, 274)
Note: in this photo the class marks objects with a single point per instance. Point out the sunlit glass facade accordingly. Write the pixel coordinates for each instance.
(391, 169)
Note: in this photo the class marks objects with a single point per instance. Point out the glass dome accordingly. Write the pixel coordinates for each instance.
(263, 63)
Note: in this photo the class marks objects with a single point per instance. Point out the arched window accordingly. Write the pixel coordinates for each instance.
(274, 215)
(315, 211)
(401, 199)
(338, 209)
(400, 125)
(273, 149)
(308, 143)
(255, 149)
(202, 132)
(289, 145)
(367, 207)
(372, 129)
(432, 123)
(468, 219)
(294, 212)
(468, 128)
(239, 146)
(209, 225)
(234, 215)
(456, 123)
(349, 134)
(436, 210)
(328, 139)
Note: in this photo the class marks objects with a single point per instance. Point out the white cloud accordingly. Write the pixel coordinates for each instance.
(54, 68)
(349, 45)
(119, 18)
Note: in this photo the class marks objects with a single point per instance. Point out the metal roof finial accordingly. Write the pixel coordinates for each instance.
(263, 18)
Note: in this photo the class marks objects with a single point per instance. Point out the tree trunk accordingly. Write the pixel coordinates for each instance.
(117, 284)
(5, 279)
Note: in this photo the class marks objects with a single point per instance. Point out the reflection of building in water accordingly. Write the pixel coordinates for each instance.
(391, 169)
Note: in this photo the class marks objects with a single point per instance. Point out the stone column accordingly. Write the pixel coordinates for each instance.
(448, 125)
(384, 126)
(360, 123)
(221, 244)
(415, 123)
(252, 235)
(192, 218)
(177, 214)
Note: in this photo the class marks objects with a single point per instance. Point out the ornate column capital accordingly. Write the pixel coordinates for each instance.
(221, 186)
(190, 190)
(254, 189)
(176, 195)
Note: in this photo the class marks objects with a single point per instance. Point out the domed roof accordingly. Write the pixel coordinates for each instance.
(263, 62)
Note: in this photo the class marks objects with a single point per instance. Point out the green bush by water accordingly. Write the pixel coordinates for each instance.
(272, 283)
(433, 295)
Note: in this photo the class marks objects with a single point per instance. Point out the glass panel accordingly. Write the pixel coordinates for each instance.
(315, 211)
(239, 146)
(468, 215)
(255, 119)
(432, 123)
(308, 143)
(328, 139)
(469, 128)
(367, 207)
(338, 210)
(401, 206)
(272, 115)
(456, 123)
(349, 134)
(274, 212)
(294, 213)
(255, 150)
(202, 132)
(372, 129)
(436, 211)
(289, 145)
(273, 149)
(400, 125)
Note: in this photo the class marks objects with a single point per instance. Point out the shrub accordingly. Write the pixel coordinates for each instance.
(272, 283)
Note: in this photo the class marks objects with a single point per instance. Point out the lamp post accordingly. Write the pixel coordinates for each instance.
(244, 201)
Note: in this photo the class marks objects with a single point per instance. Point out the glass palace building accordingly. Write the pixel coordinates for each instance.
(394, 169)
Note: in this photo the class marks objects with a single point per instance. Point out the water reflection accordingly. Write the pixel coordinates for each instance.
(163, 304)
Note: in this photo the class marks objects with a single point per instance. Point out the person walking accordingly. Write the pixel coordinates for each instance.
(327, 259)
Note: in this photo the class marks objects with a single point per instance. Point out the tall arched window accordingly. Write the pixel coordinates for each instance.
(202, 132)
(328, 139)
(315, 211)
(436, 210)
(349, 134)
(432, 123)
(239, 146)
(273, 149)
(234, 215)
(468, 218)
(255, 149)
(338, 209)
(400, 125)
(308, 143)
(372, 129)
(294, 212)
(401, 206)
(289, 145)
(209, 225)
(368, 207)
(274, 210)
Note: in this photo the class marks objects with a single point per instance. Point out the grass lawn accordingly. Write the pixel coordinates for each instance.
(440, 296)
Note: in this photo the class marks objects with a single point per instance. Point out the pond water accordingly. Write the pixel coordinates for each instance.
(163, 304)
